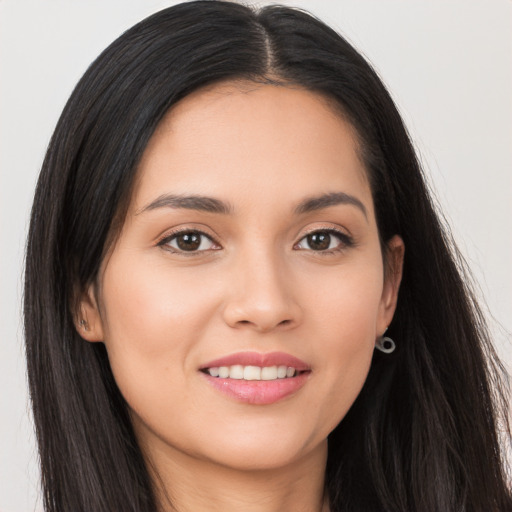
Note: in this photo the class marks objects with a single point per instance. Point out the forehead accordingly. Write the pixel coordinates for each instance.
(243, 136)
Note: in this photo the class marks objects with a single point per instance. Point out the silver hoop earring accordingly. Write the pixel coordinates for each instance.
(385, 344)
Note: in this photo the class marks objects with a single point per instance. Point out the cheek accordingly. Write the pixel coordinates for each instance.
(345, 321)
(152, 322)
(345, 302)
(147, 307)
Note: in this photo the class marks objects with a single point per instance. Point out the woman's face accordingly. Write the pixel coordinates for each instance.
(241, 303)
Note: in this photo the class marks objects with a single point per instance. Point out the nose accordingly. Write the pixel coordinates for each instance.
(261, 295)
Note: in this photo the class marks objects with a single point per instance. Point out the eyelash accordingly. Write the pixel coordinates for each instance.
(171, 236)
(346, 241)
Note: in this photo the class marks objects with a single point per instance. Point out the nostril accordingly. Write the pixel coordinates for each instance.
(248, 322)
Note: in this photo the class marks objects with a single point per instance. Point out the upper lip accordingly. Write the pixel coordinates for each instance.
(258, 359)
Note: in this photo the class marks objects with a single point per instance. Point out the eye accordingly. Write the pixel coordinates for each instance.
(325, 240)
(188, 241)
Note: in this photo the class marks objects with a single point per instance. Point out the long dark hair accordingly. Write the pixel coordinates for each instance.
(423, 434)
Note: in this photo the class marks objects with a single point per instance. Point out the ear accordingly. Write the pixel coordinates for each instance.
(392, 277)
(88, 322)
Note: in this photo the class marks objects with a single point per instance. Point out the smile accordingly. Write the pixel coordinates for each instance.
(240, 372)
(257, 379)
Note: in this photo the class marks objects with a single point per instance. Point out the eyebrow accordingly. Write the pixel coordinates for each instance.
(312, 204)
(213, 205)
(193, 202)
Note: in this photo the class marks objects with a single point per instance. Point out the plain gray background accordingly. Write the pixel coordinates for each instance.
(448, 65)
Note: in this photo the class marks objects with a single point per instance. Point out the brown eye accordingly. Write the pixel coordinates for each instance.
(325, 241)
(188, 241)
(319, 241)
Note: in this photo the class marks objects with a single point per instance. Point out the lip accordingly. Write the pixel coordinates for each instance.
(258, 392)
(258, 359)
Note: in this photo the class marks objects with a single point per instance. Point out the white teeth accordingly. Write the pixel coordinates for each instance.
(269, 373)
(238, 372)
(223, 372)
(252, 373)
(281, 372)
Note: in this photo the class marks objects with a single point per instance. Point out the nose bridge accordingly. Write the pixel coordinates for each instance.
(262, 293)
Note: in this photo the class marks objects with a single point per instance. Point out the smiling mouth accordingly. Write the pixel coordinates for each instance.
(253, 373)
(257, 379)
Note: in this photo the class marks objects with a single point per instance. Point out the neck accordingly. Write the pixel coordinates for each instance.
(186, 484)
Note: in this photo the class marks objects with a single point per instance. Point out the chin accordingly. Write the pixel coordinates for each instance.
(254, 451)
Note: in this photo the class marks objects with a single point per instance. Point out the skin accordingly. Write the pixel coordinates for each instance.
(258, 285)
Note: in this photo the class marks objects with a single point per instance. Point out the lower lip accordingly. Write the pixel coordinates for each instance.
(258, 392)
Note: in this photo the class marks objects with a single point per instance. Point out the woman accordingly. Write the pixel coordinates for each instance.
(230, 219)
